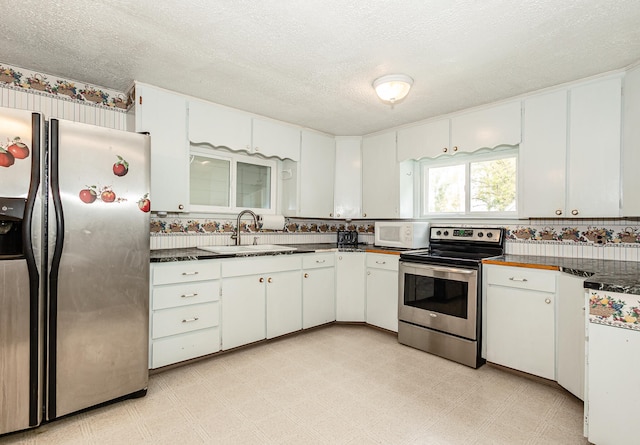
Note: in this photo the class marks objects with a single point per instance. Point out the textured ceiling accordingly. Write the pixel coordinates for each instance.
(312, 62)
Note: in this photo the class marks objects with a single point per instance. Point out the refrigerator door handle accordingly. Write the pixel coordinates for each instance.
(54, 177)
(32, 267)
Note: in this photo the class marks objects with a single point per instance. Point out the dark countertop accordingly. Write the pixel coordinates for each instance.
(193, 253)
(605, 275)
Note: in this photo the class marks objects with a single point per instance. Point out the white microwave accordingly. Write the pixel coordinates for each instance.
(402, 234)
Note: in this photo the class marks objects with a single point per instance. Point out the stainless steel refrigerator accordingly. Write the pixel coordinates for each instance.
(74, 267)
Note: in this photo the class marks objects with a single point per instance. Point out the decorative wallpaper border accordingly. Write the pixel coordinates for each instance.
(47, 85)
(628, 233)
(162, 226)
(613, 309)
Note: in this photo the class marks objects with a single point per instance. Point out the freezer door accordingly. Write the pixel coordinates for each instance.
(99, 292)
(21, 294)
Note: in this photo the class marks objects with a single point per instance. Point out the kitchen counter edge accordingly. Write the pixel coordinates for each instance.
(195, 254)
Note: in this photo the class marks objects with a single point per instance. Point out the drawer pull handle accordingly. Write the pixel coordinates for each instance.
(269, 280)
(306, 275)
(518, 279)
(189, 320)
(547, 300)
(189, 273)
(381, 262)
(320, 261)
(188, 295)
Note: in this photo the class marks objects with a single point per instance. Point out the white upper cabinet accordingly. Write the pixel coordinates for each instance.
(163, 115)
(271, 138)
(380, 177)
(543, 160)
(348, 177)
(570, 158)
(631, 144)
(426, 140)
(225, 127)
(219, 126)
(308, 189)
(594, 149)
(489, 127)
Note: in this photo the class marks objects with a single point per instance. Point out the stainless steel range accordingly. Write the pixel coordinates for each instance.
(439, 308)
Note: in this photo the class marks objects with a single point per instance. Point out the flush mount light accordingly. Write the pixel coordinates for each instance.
(393, 87)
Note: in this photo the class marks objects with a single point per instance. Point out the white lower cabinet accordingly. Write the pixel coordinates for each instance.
(185, 311)
(382, 290)
(261, 298)
(520, 319)
(318, 289)
(613, 368)
(350, 286)
(570, 338)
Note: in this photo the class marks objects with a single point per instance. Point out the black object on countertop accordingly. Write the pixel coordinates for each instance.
(347, 238)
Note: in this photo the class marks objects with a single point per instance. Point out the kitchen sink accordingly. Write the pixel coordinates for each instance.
(259, 248)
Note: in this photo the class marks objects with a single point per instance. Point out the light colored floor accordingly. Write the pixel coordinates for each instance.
(334, 385)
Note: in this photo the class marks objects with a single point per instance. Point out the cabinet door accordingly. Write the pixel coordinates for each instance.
(380, 177)
(382, 291)
(423, 141)
(272, 138)
(631, 142)
(284, 303)
(594, 149)
(219, 126)
(543, 163)
(350, 286)
(164, 116)
(570, 339)
(490, 127)
(348, 183)
(521, 330)
(317, 167)
(614, 366)
(319, 297)
(243, 310)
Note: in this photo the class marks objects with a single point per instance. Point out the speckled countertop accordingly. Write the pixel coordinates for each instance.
(193, 253)
(606, 275)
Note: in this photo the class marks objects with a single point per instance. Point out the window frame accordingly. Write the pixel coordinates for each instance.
(233, 159)
(466, 159)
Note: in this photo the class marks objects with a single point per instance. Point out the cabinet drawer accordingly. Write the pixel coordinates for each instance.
(522, 278)
(383, 261)
(174, 295)
(185, 271)
(315, 261)
(185, 319)
(166, 351)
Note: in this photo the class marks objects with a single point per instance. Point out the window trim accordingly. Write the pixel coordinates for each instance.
(233, 159)
(466, 159)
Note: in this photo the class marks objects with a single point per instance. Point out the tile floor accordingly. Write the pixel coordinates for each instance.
(333, 385)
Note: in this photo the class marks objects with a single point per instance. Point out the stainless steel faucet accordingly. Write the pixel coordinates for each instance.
(236, 236)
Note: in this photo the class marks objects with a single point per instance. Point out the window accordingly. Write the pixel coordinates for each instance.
(229, 182)
(473, 184)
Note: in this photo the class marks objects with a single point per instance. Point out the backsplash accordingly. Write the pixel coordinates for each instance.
(616, 239)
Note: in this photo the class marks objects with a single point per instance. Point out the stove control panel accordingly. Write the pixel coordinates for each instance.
(466, 234)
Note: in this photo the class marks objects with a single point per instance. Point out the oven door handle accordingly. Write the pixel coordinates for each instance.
(452, 270)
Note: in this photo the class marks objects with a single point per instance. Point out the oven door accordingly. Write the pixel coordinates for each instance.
(439, 297)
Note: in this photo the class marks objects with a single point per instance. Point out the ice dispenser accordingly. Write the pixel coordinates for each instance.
(11, 215)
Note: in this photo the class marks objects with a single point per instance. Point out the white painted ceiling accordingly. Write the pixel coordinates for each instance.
(312, 62)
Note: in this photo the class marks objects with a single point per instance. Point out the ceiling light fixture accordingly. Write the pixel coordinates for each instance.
(393, 88)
